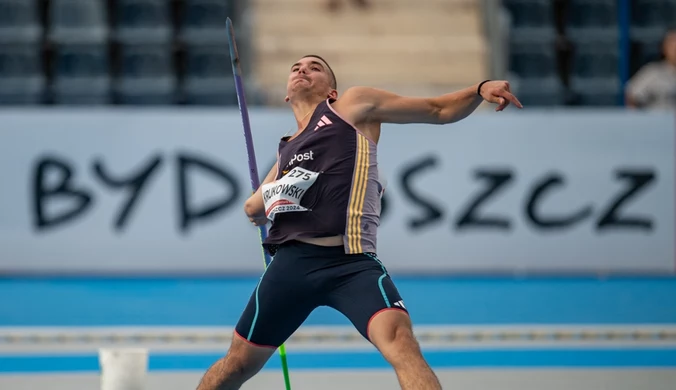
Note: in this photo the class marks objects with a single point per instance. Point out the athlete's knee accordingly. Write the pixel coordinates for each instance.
(392, 333)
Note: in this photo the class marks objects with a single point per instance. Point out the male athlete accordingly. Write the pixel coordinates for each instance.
(322, 199)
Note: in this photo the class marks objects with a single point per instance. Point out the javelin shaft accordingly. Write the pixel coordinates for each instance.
(244, 111)
(251, 154)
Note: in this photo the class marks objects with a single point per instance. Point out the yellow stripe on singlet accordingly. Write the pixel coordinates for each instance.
(358, 194)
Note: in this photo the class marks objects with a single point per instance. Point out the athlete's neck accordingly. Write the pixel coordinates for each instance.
(303, 110)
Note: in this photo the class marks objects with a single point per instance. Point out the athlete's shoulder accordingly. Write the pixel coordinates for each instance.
(361, 95)
(356, 103)
(355, 113)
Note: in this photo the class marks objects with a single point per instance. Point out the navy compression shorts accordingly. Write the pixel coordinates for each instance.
(302, 277)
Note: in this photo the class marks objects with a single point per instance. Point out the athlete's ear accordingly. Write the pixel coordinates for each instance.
(333, 94)
(286, 99)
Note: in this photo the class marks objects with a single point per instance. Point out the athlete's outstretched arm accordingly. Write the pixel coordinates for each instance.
(373, 104)
(254, 207)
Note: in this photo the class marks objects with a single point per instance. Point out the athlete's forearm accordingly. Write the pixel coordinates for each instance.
(458, 105)
(254, 206)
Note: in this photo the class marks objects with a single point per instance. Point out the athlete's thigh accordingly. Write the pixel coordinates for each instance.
(364, 289)
(280, 303)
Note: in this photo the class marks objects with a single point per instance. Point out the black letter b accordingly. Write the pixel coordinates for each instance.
(42, 193)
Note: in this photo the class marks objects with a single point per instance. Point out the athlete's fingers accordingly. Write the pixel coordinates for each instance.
(509, 97)
(502, 104)
(258, 221)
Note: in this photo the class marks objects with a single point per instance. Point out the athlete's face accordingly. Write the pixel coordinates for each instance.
(310, 76)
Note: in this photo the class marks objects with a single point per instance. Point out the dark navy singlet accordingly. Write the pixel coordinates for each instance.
(326, 185)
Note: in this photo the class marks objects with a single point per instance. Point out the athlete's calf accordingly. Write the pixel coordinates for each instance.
(240, 364)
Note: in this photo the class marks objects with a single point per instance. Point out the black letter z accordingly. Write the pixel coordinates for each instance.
(497, 180)
(638, 180)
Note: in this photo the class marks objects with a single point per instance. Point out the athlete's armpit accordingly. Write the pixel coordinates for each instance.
(254, 206)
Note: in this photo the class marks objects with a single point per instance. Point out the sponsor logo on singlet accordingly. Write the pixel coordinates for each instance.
(324, 121)
(307, 156)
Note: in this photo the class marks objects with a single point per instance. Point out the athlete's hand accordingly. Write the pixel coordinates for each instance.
(498, 92)
(259, 221)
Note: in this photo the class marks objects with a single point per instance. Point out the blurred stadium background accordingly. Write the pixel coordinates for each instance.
(534, 249)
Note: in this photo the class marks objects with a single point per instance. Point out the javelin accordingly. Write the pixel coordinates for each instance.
(253, 169)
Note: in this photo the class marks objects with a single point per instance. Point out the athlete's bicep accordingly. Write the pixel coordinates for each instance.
(254, 206)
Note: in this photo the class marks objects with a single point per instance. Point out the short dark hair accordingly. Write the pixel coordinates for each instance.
(334, 82)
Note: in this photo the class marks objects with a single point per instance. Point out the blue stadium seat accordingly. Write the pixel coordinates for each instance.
(204, 20)
(596, 59)
(146, 75)
(21, 78)
(592, 13)
(670, 13)
(653, 13)
(646, 13)
(20, 60)
(146, 61)
(533, 59)
(208, 77)
(646, 46)
(81, 60)
(143, 21)
(530, 13)
(208, 61)
(650, 50)
(81, 74)
(19, 21)
(78, 21)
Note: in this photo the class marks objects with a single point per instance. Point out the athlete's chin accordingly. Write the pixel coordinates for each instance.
(300, 86)
(300, 90)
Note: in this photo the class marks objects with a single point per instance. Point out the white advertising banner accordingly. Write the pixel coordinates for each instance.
(161, 191)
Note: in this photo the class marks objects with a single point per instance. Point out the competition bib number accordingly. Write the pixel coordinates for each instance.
(285, 194)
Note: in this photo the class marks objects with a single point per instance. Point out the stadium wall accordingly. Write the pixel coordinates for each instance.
(114, 191)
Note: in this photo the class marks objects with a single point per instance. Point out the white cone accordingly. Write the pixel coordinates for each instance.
(123, 368)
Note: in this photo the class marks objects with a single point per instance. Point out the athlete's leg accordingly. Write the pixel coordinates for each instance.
(278, 306)
(368, 297)
(392, 333)
(240, 364)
